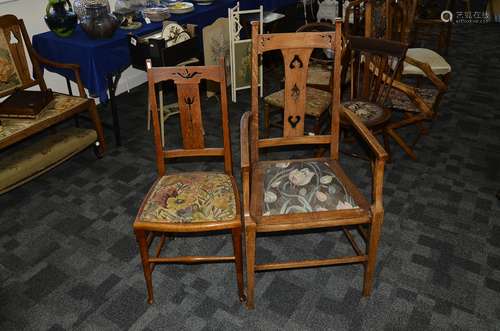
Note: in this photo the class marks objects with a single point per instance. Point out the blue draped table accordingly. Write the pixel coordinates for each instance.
(101, 60)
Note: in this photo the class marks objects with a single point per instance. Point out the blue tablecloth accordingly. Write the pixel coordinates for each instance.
(98, 59)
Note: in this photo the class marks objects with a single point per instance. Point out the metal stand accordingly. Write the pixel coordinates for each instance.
(112, 84)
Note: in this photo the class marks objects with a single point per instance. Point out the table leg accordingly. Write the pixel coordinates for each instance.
(112, 84)
(70, 92)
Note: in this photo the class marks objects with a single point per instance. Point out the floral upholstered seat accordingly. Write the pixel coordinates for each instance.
(303, 186)
(189, 198)
(317, 101)
(401, 101)
(369, 112)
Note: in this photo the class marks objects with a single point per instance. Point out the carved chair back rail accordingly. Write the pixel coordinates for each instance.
(296, 49)
(187, 80)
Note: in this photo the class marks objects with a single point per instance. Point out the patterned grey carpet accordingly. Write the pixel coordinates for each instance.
(68, 257)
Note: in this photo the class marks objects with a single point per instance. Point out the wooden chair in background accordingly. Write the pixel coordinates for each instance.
(324, 195)
(189, 202)
(374, 65)
(424, 77)
(423, 80)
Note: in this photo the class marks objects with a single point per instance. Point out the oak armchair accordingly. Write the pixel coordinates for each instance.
(298, 194)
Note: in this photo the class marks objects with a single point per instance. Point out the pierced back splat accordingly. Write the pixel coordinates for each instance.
(190, 116)
(187, 81)
(295, 90)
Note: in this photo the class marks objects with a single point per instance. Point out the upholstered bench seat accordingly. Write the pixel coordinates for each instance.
(19, 165)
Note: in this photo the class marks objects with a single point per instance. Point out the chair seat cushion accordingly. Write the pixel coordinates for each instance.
(303, 186)
(189, 198)
(319, 75)
(438, 64)
(369, 112)
(399, 100)
(317, 101)
(18, 165)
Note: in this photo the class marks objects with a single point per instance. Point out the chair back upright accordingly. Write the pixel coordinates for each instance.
(374, 65)
(296, 49)
(187, 81)
(15, 72)
(402, 15)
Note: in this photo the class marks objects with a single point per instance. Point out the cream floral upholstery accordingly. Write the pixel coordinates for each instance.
(368, 112)
(303, 186)
(317, 101)
(401, 101)
(189, 198)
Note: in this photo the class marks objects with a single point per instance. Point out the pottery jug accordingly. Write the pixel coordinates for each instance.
(79, 6)
(98, 23)
(60, 20)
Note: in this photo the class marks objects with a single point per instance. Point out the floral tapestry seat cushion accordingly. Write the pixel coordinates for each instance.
(369, 112)
(400, 100)
(303, 186)
(189, 198)
(317, 101)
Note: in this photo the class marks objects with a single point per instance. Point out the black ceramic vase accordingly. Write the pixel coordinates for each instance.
(60, 20)
(98, 23)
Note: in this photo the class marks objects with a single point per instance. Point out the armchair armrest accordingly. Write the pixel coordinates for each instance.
(412, 94)
(244, 135)
(70, 66)
(377, 165)
(367, 135)
(426, 68)
(245, 161)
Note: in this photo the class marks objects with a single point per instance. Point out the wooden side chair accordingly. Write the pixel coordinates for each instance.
(374, 65)
(394, 20)
(189, 202)
(430, 27)
(407, 24)
(298, 194)
(422, 83)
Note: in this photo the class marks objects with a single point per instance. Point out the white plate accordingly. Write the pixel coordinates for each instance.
(181, 7)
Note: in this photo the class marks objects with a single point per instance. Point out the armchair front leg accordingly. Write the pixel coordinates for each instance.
(245, 162)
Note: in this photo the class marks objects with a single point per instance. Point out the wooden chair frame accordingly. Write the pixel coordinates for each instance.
(374, 66)
(300, 45)
(187, 80)
(399, 25)
(12, 26)
(403, 20)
